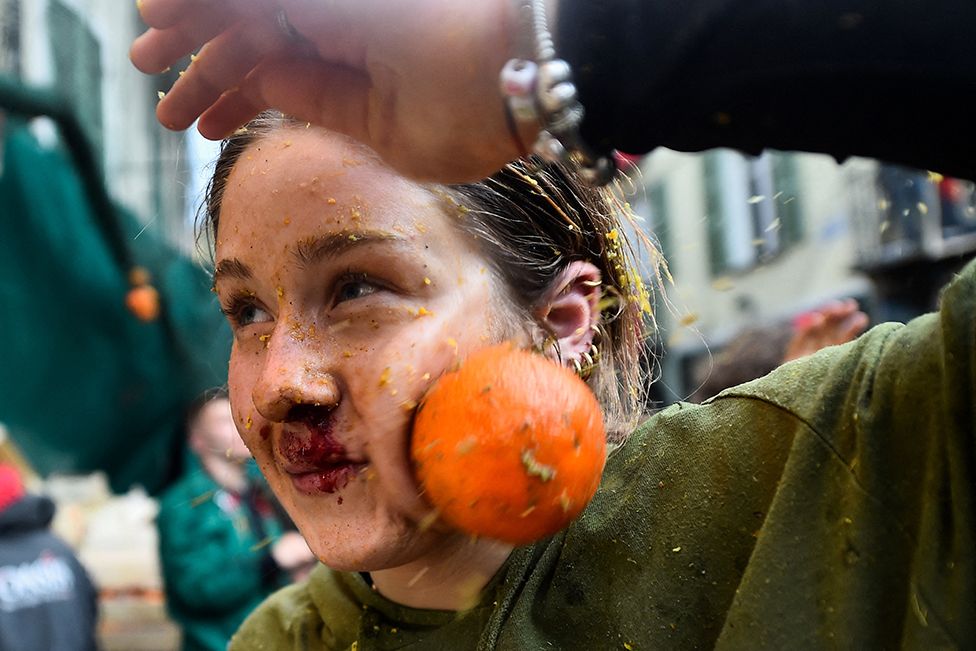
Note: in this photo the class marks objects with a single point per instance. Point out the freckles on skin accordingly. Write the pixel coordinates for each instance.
(435, 350)
(382, 354)
(300, 331)
(417, 356)
(244, 422)
(316, 188)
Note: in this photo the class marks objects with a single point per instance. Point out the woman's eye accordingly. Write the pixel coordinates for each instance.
(249, 314)
(353, 288)
(246, 312)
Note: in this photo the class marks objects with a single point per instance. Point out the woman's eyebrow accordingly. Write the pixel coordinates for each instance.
(313, 249)
(308, 251)
(231, 268)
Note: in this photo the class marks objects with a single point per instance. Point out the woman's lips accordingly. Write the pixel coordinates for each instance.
(310, 449)
(326, 480)
(312, 457)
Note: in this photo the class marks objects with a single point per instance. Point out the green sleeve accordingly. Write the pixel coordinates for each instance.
(209, 563)
(286, 621)
(886, 480)
(898, 405)
(829, 504)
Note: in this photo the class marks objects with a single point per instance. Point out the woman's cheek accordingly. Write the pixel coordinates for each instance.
(387, 381)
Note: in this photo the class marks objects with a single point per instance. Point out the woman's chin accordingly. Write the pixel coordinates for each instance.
(370, 551)
(357, 537)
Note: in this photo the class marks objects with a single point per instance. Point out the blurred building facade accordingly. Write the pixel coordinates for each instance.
(79, 48)
(758, 240)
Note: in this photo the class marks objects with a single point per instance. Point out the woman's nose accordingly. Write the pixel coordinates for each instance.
(294, 373)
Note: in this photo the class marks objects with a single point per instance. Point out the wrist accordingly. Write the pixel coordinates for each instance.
(520, 46)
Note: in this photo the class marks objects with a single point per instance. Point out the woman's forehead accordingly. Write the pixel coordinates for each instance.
(300, 198)
(314, 147)
(305, 163)
(295, 183)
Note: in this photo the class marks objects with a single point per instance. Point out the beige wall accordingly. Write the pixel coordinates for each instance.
(705, 311)
(804, 275)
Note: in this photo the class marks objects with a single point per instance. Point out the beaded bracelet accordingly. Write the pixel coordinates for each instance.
(542, 92)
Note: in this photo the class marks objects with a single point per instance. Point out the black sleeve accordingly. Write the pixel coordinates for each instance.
(890, 79)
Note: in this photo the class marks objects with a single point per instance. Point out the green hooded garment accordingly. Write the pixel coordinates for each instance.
(84, 384)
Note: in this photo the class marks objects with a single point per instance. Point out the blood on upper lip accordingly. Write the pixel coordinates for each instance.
(316, 448)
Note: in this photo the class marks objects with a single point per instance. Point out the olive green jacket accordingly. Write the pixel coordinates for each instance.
(827, 505)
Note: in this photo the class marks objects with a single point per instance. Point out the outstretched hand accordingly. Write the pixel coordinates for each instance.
(833, 324)
(416, 81)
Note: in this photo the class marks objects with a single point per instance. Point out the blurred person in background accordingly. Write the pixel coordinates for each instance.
(222, 544)
(47, 600)
(756, 351)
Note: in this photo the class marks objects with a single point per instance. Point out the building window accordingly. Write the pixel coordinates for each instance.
(920, 214)
(10, 38)
(752, 208)
(957, 202)
(77, 67)
(786, 197)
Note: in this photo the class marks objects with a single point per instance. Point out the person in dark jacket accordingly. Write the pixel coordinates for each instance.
(47, 600)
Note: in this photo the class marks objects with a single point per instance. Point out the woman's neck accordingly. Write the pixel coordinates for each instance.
(454, 582)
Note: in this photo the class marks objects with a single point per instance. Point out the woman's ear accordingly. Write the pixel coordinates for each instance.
(570, 308)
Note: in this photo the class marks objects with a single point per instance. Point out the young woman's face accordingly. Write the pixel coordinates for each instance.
(349, 291)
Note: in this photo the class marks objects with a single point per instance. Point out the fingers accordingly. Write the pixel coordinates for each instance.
(223, 64)
(831, 325)
(806, 337)
(166, 13)
(852, 326)
(842, 321)
(163, 14)
(179, 27)
(305, 88)
(160, 48)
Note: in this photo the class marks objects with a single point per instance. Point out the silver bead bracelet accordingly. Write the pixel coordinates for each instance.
(541, 91)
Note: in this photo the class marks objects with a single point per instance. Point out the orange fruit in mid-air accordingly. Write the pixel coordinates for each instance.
(510, 446)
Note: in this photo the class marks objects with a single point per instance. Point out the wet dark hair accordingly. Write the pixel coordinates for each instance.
(530, 220)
